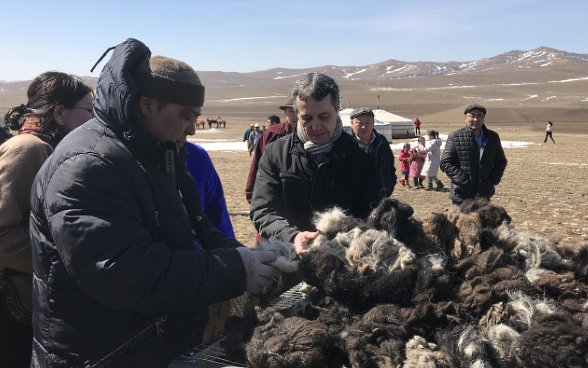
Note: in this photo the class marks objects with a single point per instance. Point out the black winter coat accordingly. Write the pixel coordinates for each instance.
(118, 278)
(474, 171)
(290, 187)
(382, 149)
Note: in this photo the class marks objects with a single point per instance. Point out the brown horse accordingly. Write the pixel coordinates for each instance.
(199, 123)
(220, 122)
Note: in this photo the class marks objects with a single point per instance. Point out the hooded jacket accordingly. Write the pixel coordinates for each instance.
(474, 171)
(116, 227)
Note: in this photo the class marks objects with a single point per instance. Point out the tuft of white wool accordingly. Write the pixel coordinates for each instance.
(285, 254)
(480, 364)
(533, 274)
(502, 338)
(328, 221)
(318, 241)
(585, 306)
(377, 250)
(522, 305)
(438, 263)
(422, 354)
(346, 238)
(471, 344)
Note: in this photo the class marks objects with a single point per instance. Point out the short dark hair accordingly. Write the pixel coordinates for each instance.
(274, 119)
(318, 86)
(44, 93)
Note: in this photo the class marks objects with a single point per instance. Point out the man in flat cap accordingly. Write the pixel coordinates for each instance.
(362, 127)
(273, 133)
(473, 158)
(126, 264)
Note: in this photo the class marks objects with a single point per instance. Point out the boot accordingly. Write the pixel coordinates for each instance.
(429, 187)
(439, 186)
(421, 184)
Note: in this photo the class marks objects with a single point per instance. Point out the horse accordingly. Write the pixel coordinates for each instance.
(199, 123)
(220, 122)
(211, 121)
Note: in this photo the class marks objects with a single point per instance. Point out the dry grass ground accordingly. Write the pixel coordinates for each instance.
(544, 188)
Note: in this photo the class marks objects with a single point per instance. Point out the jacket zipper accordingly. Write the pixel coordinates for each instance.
(156, 327)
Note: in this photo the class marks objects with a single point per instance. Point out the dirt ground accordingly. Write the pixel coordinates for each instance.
(544, 187)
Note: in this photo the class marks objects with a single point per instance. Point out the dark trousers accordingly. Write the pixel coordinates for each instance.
(548, 134)
(16, 340)
(417, 130)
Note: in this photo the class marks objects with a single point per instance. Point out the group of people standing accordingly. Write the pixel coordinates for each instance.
(422, 160)
(109, 252)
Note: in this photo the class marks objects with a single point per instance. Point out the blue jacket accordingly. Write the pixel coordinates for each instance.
(118, 278)
(210, 187)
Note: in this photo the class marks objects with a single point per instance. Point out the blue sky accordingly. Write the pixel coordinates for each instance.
(250, 35)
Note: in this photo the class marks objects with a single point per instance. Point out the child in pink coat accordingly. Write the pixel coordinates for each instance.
(405, 164)
(418, 160)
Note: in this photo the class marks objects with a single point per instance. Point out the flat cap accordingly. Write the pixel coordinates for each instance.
(288, 103)
(361, 111)
(474, 107)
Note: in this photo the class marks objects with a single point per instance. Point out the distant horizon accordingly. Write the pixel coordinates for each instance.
(256, 35)
(101, 64)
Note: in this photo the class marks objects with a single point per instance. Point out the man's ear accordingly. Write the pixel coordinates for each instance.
(147, 105)
(58, 114)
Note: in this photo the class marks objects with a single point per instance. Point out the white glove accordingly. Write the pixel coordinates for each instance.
(259, 274)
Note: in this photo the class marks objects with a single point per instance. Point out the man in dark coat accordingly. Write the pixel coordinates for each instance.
(273, 133)
(125, 262)
(362, 128)
(473, 158)
(313, 169)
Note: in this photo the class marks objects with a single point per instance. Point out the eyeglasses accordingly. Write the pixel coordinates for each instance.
(91, 111)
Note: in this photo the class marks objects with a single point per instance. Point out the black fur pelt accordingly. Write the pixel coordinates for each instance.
(553, 340)
(359, 292)
(491, 215)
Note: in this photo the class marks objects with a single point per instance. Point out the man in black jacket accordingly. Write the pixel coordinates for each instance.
(473, 158)
(125, 262)
(362, 127)
(314, 168)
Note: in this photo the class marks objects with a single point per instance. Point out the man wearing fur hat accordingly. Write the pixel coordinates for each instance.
(313, 169)
(271, 134)
(362, 128)
(473, 158)
(125, 262)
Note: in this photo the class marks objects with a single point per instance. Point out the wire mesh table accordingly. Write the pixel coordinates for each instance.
(212, 355)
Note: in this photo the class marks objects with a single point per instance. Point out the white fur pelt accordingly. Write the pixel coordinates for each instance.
(377, 250)
(423, 354)
(285, 254)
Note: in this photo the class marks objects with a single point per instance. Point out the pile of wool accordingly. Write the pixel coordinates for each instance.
(460, 288)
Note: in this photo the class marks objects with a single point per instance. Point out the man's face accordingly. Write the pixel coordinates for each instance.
(269, 123)
(318, 118)
(362, 126)
(474, 120)
(173, 122)
(291, 116)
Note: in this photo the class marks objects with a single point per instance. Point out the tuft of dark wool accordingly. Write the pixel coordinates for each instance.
(389, 213)
(332, 275)
(464, 347)
(480, 293)
(553, 340)
(280, 342)
(491, 215)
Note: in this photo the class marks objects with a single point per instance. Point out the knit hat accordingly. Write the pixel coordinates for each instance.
(288, 103)
(169, 80)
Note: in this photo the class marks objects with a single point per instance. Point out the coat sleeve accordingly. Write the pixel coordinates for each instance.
(267, 203)
(500, 162)
(98, 229)
(18, 167)
(214, 199)
(370, 192)
(450, 161)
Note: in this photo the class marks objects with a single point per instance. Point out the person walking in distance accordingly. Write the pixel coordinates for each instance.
(254, 138)
(417, 127)
(549, 132)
